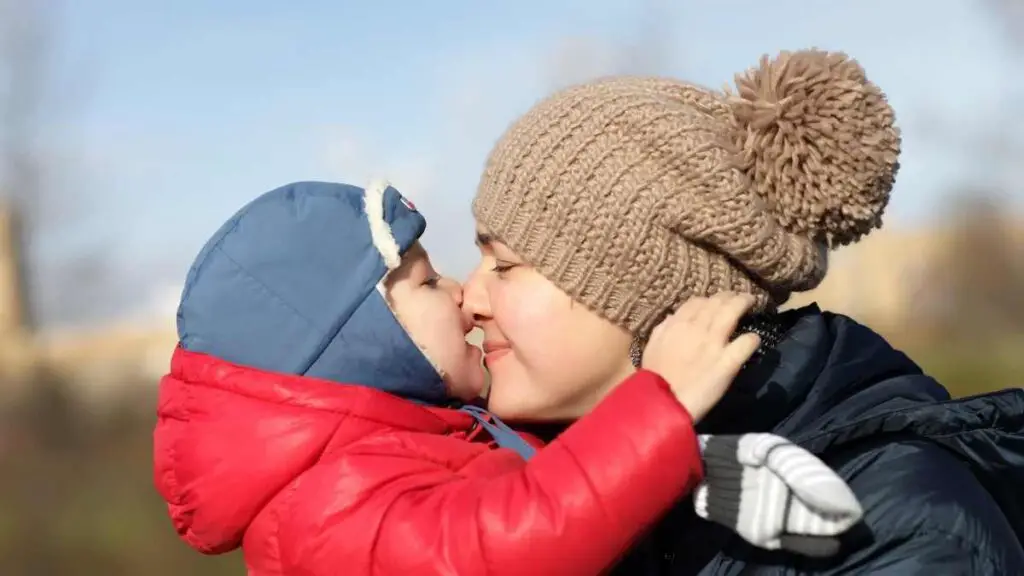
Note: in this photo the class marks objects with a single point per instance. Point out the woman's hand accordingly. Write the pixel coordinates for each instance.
(691, 350)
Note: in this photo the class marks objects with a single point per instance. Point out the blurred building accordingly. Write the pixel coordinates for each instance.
(886, 281)
(897, 279)
(97, 361)
(17, 354)
(881, 280)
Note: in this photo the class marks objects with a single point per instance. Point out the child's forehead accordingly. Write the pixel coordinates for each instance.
(416, 252)
(415, 265)
(415, 257)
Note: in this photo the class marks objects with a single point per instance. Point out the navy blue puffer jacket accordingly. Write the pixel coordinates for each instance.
(941, 480)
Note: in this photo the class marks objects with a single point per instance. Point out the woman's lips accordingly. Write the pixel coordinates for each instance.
(494, 351)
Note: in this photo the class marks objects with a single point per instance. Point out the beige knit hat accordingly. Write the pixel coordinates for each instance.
(634, 194)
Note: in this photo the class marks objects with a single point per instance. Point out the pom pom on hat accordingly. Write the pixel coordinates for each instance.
(819, 143)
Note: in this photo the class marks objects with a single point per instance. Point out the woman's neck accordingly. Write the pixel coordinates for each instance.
(626, 369)
(549, 429)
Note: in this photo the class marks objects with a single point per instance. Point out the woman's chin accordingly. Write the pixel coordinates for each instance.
(517, 411)
(498, 406)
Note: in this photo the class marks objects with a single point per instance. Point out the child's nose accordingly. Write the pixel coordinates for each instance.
(454, 289)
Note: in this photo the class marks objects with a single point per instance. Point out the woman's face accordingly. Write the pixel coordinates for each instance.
(550, 358)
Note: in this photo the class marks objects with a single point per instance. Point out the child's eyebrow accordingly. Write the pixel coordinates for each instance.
(484, 239)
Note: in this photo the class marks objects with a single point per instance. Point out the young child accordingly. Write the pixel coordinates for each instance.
(317, 414)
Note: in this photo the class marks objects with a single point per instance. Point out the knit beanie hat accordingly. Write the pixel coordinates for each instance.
(634, 194)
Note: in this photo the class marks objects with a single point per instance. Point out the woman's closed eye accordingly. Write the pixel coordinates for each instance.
(432, 281)
(501, 267)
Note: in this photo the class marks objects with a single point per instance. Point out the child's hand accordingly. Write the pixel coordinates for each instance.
(691, 350)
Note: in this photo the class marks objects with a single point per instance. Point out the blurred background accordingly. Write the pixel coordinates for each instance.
(130, 130)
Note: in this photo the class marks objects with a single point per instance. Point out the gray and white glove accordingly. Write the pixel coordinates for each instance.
(774, 494)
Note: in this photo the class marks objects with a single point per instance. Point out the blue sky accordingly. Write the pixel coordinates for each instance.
(183, 111)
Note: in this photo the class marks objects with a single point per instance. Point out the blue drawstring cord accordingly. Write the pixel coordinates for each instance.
(504, 436)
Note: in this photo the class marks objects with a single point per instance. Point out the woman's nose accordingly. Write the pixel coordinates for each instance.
(475, 303)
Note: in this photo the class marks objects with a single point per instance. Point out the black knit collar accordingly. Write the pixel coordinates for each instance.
(771, 327)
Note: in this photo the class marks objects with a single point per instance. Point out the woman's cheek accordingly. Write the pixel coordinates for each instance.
(522, 315)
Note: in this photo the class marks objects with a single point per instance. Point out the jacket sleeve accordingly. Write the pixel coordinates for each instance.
(925, 513)
(574, 508)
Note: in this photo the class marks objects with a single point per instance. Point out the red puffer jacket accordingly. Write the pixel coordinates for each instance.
(316, 478)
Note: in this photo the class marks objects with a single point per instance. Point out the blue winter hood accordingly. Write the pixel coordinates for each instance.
(290, 284)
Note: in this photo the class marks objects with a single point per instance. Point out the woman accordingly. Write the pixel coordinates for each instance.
(608, 204)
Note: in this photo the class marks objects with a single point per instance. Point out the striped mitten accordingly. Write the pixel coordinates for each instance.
(774, 494)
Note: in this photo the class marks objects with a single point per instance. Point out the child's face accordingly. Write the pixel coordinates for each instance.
(429, 307)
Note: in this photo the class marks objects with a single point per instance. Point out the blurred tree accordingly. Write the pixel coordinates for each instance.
(1003, 142)
(76, 490)
(969, 321)
(649, 50)
(77, 496)
(59, 285)
(1009, 15)
(977, 283)
(992, 148)
(23, 60)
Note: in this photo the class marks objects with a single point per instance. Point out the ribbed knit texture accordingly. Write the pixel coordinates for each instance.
(634, 194)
